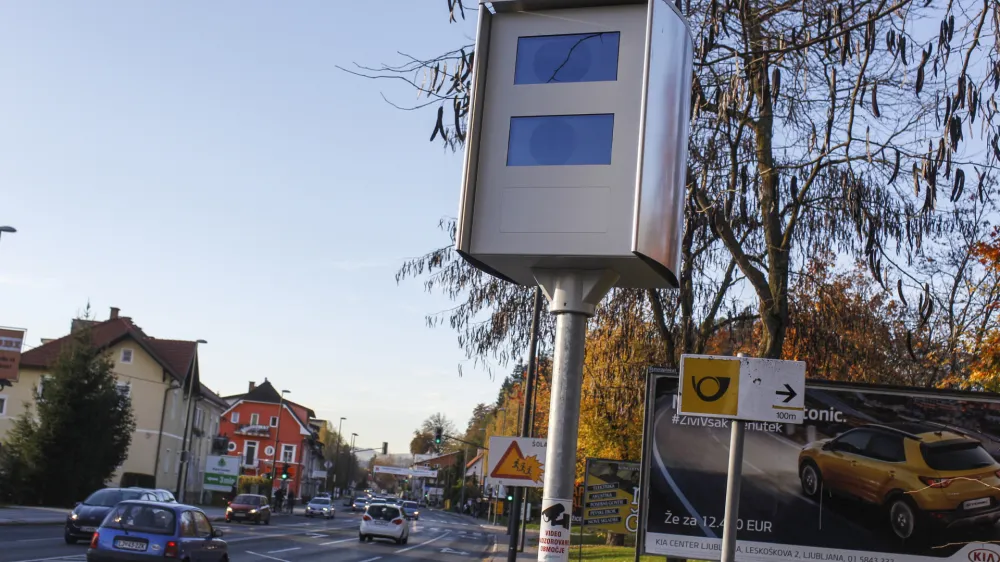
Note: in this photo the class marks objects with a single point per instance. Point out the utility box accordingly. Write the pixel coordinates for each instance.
(577, 140)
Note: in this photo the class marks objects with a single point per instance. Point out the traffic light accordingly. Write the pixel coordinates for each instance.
(385, 448)
(284, 472)
(510, 497)
(438, 434)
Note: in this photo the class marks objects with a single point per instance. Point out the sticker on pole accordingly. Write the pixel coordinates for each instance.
(553, 536)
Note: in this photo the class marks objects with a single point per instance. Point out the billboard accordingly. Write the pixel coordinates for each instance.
(516, 461)
(610, 496)
(875, 474)
(221, 473)
(10, 353)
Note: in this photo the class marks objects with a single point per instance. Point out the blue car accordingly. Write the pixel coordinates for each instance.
(139, 530)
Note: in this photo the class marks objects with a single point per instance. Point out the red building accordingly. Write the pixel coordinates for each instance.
(260, 424)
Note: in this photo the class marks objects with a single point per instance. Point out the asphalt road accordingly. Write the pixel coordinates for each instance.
(689, 482)
(437, 536)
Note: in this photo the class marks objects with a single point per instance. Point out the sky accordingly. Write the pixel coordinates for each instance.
(205, 167)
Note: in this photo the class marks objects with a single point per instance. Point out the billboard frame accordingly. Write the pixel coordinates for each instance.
(654, 374)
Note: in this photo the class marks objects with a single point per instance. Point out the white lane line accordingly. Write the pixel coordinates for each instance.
(44, 539)
(673, 485)
(266, 556)
(421, 544)
(284, 550)
(372, 559)
(337, 542)
(68, 557)
(256, 537)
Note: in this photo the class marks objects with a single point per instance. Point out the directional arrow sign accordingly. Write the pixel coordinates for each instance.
(450, 551)
(742, 388)
(789, 392)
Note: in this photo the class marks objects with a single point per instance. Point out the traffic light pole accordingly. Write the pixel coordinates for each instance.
(573, 297)
(529, 390)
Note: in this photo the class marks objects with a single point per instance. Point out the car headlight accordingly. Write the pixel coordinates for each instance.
(252, 511)
(74, 516)
(229, 510)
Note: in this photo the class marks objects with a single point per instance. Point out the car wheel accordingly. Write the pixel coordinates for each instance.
(903, 517)
(811, 479)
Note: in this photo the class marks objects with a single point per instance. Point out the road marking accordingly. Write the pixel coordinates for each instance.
(67, 557)
(336, 542)
(241, 539)
(372, 559)
(44, 539)
(420, 545)
(673, 485)
(284, 550)
(266, 556)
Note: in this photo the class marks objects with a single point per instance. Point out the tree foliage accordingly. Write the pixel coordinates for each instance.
(83, 422)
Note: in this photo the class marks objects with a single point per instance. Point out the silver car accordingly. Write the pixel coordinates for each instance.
(321, 507)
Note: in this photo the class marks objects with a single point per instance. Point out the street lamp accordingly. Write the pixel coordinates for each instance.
(277, 431)
(336, 457)
(7, 229)
(351, 463)
(186, 442)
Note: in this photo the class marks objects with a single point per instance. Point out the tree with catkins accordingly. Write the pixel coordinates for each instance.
(858, 127)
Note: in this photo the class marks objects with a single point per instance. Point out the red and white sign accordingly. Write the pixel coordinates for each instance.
(553, 535)
(11, 340)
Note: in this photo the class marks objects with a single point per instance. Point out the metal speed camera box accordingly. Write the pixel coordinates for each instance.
(577, 141)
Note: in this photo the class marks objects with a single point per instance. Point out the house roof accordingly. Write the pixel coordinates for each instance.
(175, 356)
(471, 463)
(266, 393)
(211, 396)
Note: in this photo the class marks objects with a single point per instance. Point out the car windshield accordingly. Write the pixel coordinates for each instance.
(360, 500)
(383, 512)
(141, 517)
(320, 501)
(110, 497)
(961, 456)
(410, 504)
(247, 500)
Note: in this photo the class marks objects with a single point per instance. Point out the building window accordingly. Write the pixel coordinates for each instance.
(250, 453)
(231, 446)
(166, 462)
(199, 417)
(269, 451)
(274, 421)
(287, 453)
(235, 417)
(126, 356)
(254, 419)
(3, 405)
(124, 389)
(41, 386)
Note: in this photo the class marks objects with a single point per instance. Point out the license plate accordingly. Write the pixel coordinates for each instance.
(88, 529)
(238, 515)
(975, 504)
(381, 523)
(130, 545)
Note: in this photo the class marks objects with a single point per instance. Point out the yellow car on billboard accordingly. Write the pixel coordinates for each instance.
(920, 475)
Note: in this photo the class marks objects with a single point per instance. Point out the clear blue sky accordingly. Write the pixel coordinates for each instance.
(205, 167)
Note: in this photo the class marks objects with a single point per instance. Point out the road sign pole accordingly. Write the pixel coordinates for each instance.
(733, 482)
(573, 296)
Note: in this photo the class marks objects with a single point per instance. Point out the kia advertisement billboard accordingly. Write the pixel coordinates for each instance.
(874, 474)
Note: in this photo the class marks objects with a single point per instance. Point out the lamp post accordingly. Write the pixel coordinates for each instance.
(336, 457)
(350, 466)
(7, 229)
(186, 441)
(277, 443)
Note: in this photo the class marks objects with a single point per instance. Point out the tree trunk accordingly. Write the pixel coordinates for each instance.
(615, 539)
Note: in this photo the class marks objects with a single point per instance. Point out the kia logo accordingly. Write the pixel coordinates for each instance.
(722, 385)
(984, 555)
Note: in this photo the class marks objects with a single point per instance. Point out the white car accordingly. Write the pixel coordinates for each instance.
(384, 521)
(321, 507)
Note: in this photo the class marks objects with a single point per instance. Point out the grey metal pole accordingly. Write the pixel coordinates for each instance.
(573, 297)
(336, 456)
(733, 491)
(464, 462)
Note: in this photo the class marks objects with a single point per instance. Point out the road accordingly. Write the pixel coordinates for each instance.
(689, 488)
(437, 536)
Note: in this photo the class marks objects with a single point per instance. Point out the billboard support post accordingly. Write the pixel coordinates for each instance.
(529, 392)
(733, 481)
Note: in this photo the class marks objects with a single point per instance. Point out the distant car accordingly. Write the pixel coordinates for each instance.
(321, 507)
(384, 521)
(360, 503)
(165, 496)
(140, 530)
(322, 495)
(348, 501)
(249, 507)
(411, 510)
(88, 514)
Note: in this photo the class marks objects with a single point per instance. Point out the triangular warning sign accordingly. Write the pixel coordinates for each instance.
(514, 466)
